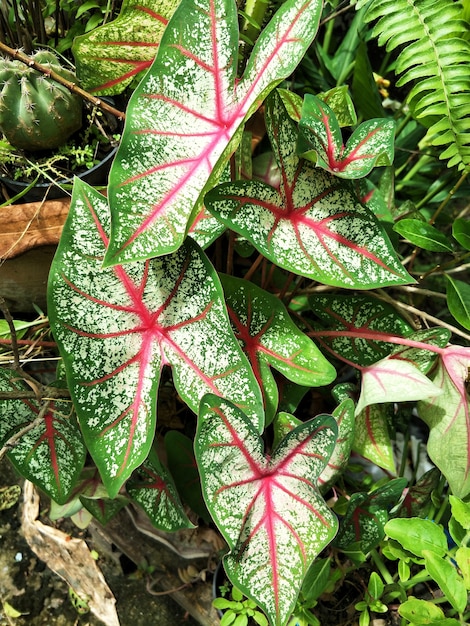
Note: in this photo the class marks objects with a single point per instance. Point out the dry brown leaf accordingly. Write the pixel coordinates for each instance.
(69, 558)
(26, 226)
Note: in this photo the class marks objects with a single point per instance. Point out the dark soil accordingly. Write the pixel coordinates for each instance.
(42, 598)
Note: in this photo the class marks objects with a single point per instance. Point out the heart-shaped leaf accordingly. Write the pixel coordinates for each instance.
(270, 338)
(320, 140)
(109, 58)
(183, 116)
(116, 328)
(351, 321)
(417, 500)
(394, 380)
(448, 417)
(50, 454)
(152, 486)
(269, 509)
(313, 224)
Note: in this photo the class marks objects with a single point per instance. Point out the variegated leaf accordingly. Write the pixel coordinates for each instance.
(185, 117)
(153, 488)
(109, 58)
(116, 328)
(313, 224)
(394, 380)
(269, 509)
(356, 326)
(321, 141)
(52, 453)
(270, 338)
(372, 437)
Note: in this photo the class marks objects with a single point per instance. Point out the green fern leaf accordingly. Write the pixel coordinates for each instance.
(435, 59)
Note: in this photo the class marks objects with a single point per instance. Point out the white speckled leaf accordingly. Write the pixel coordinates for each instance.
(185, 113)
(109, 58)
(52, 454)
(313, 225)
(153, 488)
(356, 326)
(270, 338)
(117, 327)
(320, 140)
(269, 509)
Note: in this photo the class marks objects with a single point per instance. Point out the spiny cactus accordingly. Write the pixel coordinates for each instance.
(36, 112)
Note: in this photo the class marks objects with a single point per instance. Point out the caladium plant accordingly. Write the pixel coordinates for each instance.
(241, 276)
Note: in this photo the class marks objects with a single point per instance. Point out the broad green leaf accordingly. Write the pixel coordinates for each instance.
(448, 579)
(183, 468)
(458, 300)
(418, 535)
(269, 338)
(448, 418)
(316, 580)
(394, 380)
(366, 515)
(184, 118)
(462, 558)
(152, 486)
(420, 611)
(51, 454)
(116, 329)
(461, 232)
(356, 326)
(109, 58)
(423, 235)
(321, 141)
(313, 224)
(269, 509)
(372, 437)
(461, 511)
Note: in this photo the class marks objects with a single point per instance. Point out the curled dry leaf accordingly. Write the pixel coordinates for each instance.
(69, 558)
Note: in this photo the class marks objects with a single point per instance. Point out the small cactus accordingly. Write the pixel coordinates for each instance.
(36, 112)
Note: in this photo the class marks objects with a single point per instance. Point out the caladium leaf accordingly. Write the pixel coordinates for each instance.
(186, 114)
(313, 224)
(320, 140)
(372, 437)
(351, 322)
(270, 338)
(51, 454)
(269, 509)
(394, 380)
(116, 328)
(423, 358)
(367, 514)
(109, 58)
(417, 500)
(448, 418)
(153, 488)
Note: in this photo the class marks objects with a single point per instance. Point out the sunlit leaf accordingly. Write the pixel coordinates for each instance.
(109, 58)
(448, 418)
(321, 141)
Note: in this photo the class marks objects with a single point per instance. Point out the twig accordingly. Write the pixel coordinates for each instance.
(47, 393)
(14, 338)
(73, 87)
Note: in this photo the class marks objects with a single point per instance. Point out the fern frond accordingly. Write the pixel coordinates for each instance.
(435, 59)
